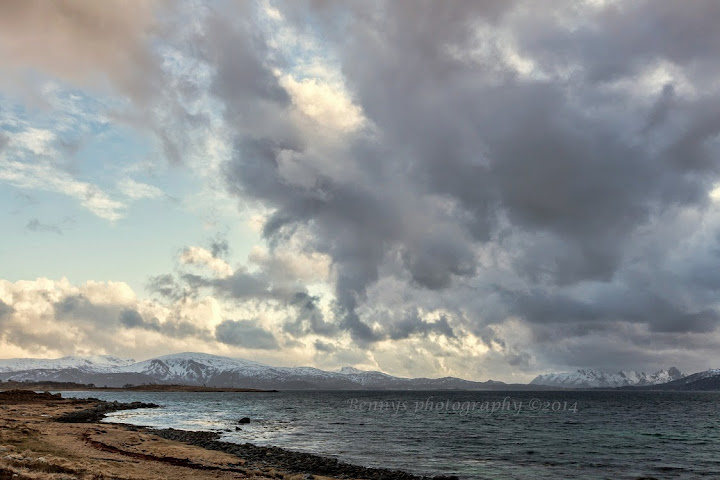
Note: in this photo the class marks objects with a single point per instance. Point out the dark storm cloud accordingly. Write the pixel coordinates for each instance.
(131, 318)
(413, 324)
(324, 347)
(600, 313)
(244, 333)
(479, 190)
(553, 170)
(173, 327)
(309, 317)
(622, 39)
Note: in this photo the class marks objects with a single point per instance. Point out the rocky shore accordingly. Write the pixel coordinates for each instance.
(44, 436)
(306, 463)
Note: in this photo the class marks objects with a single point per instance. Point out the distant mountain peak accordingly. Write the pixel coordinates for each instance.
(589, 378)
(351, 370)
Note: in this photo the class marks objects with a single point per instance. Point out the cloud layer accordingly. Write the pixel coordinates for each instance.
(510, 187)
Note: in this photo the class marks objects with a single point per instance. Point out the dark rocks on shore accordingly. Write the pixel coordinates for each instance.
(290, 461)
(27, 396)
(98, 412)
(244, 420)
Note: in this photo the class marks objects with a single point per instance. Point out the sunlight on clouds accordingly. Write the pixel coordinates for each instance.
(202, 257)
(294, 264)
(328, 105)
(715, 193)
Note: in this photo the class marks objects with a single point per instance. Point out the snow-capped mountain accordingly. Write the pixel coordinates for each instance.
(596, 379)
(92, 363)
(216, 371)
(709, 380)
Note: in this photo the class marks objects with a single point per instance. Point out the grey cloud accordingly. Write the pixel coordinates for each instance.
(662, 108)
(168, 287)
(621, 39)
(174, 327)
(108, 318)
(83, 39)
(240, 285)
(324, 347)
(5, 310)
(481, 191)
(34, 225)
(309, 317)
(244, 333)
(219, 247)
(131, 318)
(412, 325)
(77, 308)
(551, 173)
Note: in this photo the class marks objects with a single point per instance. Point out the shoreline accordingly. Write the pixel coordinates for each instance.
(80, 387)
(46, 436)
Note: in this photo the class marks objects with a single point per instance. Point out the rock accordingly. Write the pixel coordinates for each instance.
(244, 420)
(237, 429)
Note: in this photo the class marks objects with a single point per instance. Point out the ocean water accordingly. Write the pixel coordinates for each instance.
(474, 435)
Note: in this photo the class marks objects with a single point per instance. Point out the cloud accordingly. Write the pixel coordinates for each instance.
(137, 191)
(478, 173)
(34, 225)
(46, 317)
(44, 176)
(5, 310)
(80, 41)
(330, 107)
(200, 256)
(491, 186)
(244, 333)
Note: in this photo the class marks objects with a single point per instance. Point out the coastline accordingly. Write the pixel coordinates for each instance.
(81, 387)
(45, 436)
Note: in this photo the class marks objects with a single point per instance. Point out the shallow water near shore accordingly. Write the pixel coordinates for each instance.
(474, 435)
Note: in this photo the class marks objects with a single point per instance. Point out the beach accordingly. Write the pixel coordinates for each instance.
(45, 436)
(34, 445)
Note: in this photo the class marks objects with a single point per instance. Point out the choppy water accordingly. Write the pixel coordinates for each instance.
(475, 435)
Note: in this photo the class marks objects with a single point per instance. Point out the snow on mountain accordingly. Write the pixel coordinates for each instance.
(213, 370)
(586, 378)
(92, 363)
(709, 380)
(350, 370)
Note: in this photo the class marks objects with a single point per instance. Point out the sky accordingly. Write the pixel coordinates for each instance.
(487, 190)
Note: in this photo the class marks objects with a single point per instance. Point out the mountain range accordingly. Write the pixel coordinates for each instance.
(595, 379)
(216, 371)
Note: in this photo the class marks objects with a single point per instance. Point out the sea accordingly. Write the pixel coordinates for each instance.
(473, 435)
